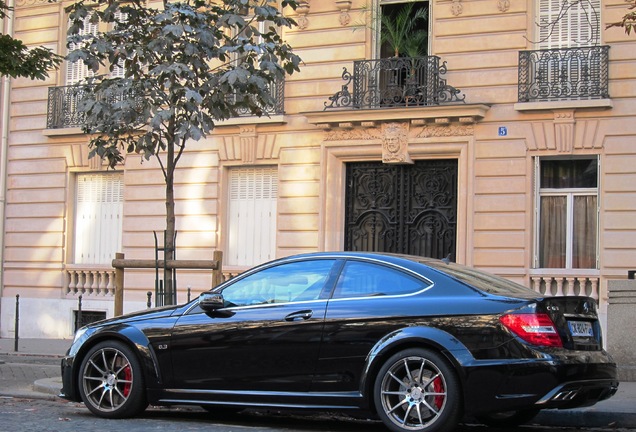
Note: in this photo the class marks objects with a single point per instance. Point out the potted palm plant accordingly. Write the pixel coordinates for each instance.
(403, 35)
(402, 32)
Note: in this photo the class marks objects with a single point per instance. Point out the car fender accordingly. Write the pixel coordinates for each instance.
(410, 337)
(131, 336)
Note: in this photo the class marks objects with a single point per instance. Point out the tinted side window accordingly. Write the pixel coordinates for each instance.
(360, 279)
(297, 281)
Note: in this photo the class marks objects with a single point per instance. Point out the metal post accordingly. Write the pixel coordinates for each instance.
(17, 322)
(189, 291)
(78, 321)
(157, 288)
(149, 302)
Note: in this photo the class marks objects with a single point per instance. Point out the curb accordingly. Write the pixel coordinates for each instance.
(49, 386)
(585, 419)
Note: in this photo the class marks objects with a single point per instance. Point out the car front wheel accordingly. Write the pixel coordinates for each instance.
(111, 381)
(417, 390)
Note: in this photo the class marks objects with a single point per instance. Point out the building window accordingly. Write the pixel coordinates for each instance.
(567, 234)
(98, 217)
(568, 24)
(403, 28)
(253, 193)
(77, 72)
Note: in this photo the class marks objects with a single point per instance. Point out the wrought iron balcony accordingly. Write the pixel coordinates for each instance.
(277, 92)
(62, 109)
(395, 82)
(564, 74)
(63, 103)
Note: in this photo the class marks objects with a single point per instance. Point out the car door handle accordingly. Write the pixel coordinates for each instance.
(300, 315)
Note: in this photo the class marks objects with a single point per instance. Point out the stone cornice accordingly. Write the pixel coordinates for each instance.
(444, 114)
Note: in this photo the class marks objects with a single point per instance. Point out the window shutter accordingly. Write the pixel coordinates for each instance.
(119, 71)
(77, 71)
(98, 218)
(576, 25)
(252, 215)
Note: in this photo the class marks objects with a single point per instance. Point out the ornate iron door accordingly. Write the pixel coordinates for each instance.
(402, 208)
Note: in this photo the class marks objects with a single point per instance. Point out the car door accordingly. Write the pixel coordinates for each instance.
(266, 337)
(368, 302)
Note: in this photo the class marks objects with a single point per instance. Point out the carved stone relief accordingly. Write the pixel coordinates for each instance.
(344, 6)
(457, 8)
(503, 5)
(395, 141)
(394, 137)
(302, 10)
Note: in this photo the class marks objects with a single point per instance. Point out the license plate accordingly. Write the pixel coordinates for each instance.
(581, 328)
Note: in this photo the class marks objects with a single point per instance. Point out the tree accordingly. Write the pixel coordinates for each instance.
(629, 19)
(16, 60)
(186, 64)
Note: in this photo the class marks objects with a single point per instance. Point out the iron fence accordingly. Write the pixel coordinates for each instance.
(564, 74)
(395, 82)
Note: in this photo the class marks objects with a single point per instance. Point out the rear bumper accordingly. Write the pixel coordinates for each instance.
(549, 382)
(578, 394)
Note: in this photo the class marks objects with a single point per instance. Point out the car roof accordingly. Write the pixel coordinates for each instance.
(424, 266)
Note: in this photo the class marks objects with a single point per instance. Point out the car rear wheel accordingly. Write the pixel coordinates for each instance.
(417, 390)
(507, 418)
(111, 381)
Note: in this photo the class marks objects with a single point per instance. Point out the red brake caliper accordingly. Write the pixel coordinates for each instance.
(438, 388)
(127, 377)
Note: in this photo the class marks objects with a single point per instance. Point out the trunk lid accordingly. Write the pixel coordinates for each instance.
(576, 321)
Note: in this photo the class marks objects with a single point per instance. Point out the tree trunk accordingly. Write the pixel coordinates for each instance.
(169, 235)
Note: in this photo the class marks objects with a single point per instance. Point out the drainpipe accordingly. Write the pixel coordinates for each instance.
(5, 88)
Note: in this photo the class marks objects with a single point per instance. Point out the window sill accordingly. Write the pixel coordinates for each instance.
(248, 120)
(63, 131)
(571, 104)
(565, 272)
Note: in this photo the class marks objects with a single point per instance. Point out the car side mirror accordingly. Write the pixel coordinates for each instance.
(211, 301)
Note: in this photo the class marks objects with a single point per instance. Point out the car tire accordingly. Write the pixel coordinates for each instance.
(507, 419)
(111, 381)
(417, 390)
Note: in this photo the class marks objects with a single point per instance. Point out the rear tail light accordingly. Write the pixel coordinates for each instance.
(536, 329)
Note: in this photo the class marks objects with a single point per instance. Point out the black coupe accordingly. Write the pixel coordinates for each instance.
(420, 343)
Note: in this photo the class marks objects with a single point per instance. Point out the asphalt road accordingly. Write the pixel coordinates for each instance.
(57, 415)
(19, 415)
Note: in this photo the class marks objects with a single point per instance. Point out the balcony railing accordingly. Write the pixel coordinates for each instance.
(62, 111)
(63, 104)
(395, 82)
(277, 93)
(564, 74)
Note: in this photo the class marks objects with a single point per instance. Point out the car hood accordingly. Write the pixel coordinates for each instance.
(159, 312)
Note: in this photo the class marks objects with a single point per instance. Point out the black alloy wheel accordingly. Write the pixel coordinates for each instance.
(417, 390)
(111, 381)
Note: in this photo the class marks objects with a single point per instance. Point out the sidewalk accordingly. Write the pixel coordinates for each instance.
(618, 411)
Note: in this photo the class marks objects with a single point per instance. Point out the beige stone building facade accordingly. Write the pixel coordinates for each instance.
(511, 148)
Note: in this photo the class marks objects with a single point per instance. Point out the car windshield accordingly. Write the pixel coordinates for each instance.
(482, 281)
